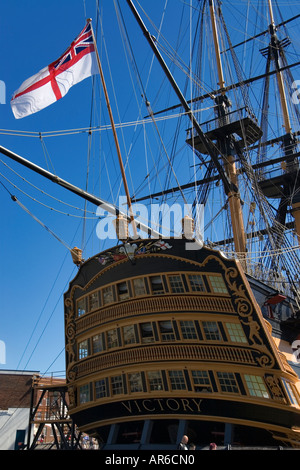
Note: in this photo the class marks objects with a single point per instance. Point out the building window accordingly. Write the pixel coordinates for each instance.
(81, 306)
(123, 292)
(83, 349)
(196, 283)
(94, 301)
(188, 329)
(176, 284)
(236, 333)
(129, 334)
(256, 386)
(155, 380)
(135, 382)
(177, 380)
(211, 330)
(218, 284)
(108, 296)
(146, 330)
(101, 389)
(112, 338)
(166, 330)
(201, 381)
(139, 286)
(98, 343)
(290, 392)
(157, 285)
(117, 386)
(228, 382)
(84, 393)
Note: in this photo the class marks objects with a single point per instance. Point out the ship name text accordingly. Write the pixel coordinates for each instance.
(161, 404)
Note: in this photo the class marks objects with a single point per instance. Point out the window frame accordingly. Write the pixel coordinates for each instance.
(210, 335)
(206, 381)
(81, 349)
(177, 380)
(225, 387)
(176, 288)
(156, 383)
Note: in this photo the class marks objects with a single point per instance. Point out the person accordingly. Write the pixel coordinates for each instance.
(212, 446)
(192, 446)
(183, 444)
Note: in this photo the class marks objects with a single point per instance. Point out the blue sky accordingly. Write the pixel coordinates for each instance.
(35, 267)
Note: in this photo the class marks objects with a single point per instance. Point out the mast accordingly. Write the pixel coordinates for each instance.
(114, 134)
(291, 166)
(223, 105)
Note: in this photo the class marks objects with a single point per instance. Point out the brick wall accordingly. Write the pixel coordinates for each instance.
(15, 390)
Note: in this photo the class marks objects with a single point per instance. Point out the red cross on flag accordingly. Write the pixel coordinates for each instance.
(54, 81)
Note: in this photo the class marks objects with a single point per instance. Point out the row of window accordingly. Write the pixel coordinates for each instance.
(151, 285)
(161, 331)
(200, 381)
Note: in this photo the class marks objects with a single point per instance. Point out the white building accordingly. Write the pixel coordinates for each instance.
(15, 399)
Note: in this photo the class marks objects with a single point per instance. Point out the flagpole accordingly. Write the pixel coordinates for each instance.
(114, 133)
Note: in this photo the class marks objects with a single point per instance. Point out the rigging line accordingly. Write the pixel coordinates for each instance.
(106, 127)
(46, 154)
(15, 199)
(42, 311)
(45, 205)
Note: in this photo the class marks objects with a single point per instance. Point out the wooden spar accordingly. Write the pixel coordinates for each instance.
(106, 206)
(286, 118)
(216, 44)
(211, 150)
(233, 196)
(287, 123)
(114, 134)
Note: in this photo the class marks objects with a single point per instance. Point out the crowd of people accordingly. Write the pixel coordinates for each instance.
(185, 445)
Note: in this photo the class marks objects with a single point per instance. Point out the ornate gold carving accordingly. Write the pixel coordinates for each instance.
(274, 387)
(70, 335)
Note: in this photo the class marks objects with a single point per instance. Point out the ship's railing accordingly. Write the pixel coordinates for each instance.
(159, 304)
(166, 352)
(217, 122)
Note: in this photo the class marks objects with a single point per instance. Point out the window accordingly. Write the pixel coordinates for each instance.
(236, 333)
(211, 330)
(218, 284)
(201, 381)
(290, 392)
(83, 349)
(129, 334)
(146, 330)
(196, 283)
(123, 292)
(81, 306)
(166, 330)
(156, 285)
(155, 380)
(108, 296)
(256, 386)
(98, 345)
(139, 286)
(176, 284)
(188, 329)
(117, 386)
(112, 338)
(135, 382)
(177, 380)
(94, 301)
(101, 389)
(228, 382)
(84, 393)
